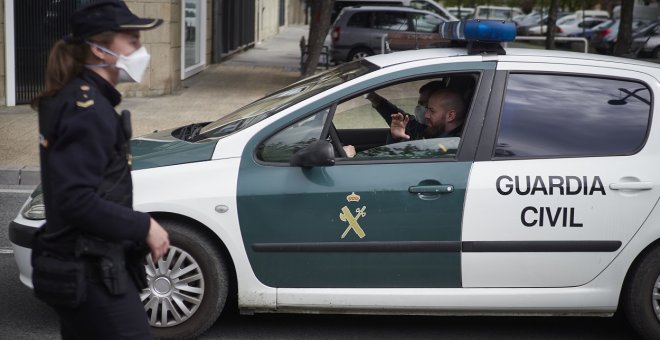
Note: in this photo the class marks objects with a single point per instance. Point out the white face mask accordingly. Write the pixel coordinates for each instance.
(132, 67)
(419, 114)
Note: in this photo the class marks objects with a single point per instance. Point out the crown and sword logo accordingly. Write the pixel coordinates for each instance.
(347, 216)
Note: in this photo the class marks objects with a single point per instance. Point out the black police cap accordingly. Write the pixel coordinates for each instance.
(106, 15)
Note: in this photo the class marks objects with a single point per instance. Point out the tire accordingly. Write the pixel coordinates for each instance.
(641, 296)
(195, 264)
(359, 53)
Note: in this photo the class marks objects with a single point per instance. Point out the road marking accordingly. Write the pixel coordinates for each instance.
(6, 251)
(15, 191)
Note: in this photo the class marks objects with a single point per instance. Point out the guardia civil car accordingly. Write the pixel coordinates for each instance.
(545, 204)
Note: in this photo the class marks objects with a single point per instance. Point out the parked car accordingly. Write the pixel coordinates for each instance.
(496, 12)
(534, 19)
(588, 33)
(603, 41)
(647, 42)
(541, 29)
(461, 12)
(546, 204)
(358, 31)
(569, 25)
(427, 5)
(594, 13)
(578, 25)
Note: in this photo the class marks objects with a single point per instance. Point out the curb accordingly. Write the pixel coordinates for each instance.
(26, 175)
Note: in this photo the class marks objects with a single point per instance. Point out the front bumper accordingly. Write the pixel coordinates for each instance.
(21, 235)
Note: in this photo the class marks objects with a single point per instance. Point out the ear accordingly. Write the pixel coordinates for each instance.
(97, 52)
(451, 115)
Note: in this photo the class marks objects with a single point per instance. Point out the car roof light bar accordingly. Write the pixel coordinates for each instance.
(482, 36)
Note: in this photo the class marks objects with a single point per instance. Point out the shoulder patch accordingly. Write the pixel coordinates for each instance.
(85, 104)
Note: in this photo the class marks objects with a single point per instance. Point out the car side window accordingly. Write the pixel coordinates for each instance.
(281, 146)
(391, 21)
(360, 19)
(363, 122)
(425, 23)
(567, 116)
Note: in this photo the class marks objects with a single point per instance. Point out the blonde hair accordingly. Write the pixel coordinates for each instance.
(65, 62)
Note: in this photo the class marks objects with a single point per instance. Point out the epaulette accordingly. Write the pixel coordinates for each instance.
(85, 97)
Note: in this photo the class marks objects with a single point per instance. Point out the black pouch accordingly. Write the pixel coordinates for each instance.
(108, 261)
(59, 281)
(114, 276)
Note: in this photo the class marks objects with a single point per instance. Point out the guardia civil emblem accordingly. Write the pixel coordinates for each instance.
(347, 216)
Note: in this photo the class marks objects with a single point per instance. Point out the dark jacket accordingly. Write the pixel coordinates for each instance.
(85, 166)
(414, 129)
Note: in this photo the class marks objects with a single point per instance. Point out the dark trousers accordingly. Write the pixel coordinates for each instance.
(104, 316)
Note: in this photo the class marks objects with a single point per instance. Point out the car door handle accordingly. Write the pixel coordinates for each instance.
(631, 186)
(431, 189)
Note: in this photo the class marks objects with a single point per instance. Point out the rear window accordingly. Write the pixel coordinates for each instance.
(391, 21)
(567, 116)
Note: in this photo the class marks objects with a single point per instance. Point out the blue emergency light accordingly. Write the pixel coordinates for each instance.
(481, 36)
(478, 30)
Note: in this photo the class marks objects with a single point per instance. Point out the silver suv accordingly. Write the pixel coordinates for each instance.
(361, 31)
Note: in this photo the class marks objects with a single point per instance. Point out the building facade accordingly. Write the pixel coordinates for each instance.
(195, 33)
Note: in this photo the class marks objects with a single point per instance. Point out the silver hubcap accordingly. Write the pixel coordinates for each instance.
(176, 288)
(656, 298)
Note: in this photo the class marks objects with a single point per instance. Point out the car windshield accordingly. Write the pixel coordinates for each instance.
(286, 97)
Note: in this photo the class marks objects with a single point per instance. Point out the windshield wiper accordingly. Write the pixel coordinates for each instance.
(189, 132)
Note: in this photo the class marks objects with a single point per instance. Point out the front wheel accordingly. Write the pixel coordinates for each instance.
(641, 296)
(188, 286)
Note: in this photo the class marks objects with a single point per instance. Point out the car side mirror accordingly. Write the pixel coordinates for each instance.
(319, 153)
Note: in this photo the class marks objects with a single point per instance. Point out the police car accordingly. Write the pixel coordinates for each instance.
(545, 204)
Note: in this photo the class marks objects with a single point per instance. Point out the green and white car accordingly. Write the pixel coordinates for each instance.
(546, 204)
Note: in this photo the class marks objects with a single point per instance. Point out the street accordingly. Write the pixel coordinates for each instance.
(24, 317)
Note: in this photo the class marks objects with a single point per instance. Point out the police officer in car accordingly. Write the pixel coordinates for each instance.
(443, 117)
(88, 258)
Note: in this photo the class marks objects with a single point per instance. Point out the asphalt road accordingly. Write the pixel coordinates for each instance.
(23, 317)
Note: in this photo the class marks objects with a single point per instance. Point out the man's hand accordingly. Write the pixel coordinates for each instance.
(157, 240)
(398, 127)
(350, 150)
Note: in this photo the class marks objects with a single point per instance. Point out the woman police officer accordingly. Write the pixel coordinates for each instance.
(88, 259)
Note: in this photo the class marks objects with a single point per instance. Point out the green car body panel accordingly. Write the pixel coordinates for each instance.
(298, 224)
(161, 149)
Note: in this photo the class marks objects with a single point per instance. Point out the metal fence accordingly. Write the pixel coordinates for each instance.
(37, 25)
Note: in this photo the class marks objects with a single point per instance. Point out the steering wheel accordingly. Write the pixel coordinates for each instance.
(334, 139)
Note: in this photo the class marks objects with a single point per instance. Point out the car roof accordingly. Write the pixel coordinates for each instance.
(386, 60)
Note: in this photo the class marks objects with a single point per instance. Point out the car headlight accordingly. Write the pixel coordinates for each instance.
(35, 210)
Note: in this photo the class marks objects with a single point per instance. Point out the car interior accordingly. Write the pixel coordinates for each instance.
(357, 123)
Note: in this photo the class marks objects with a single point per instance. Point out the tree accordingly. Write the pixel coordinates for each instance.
(319, 25)
(624, 37)
(552, 21)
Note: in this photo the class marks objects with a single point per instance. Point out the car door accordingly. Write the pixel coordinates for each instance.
(566, 174)
(390, 217)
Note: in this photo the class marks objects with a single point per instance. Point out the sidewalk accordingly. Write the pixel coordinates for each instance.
(207, 96)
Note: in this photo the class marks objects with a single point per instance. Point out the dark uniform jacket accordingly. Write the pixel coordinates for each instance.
(85, 166)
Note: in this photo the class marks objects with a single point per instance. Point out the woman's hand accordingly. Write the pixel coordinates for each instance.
(157, 240)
